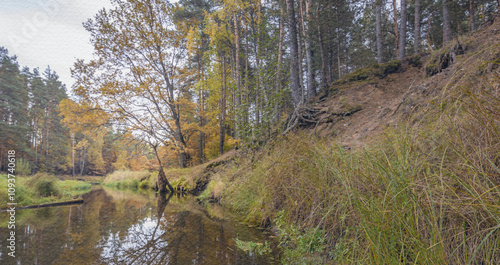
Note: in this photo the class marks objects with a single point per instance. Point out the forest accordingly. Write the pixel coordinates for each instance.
(197, 78)
(359, 131)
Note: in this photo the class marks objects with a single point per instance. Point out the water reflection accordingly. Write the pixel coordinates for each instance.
(117, 227)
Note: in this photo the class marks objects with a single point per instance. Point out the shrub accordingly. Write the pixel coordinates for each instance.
(44, 184)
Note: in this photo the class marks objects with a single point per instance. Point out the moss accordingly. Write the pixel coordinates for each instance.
(431, 69)
(415, 61)
(367, 73)
(445, 57)
(391, 67)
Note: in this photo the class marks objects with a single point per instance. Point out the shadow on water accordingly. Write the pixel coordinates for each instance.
(123, 227)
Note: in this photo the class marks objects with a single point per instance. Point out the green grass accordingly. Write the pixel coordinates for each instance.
(42, 188)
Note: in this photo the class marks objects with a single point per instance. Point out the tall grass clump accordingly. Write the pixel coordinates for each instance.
(122, 179)
(425, 192)
(44, 185)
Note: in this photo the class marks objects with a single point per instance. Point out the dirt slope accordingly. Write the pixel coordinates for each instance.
(365, 102)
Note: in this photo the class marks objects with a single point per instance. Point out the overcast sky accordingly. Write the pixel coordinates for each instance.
(48, 32)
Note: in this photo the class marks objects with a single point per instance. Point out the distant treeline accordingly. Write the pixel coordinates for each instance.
(31, 124)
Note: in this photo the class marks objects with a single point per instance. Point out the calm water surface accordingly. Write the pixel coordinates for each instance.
(123, 227)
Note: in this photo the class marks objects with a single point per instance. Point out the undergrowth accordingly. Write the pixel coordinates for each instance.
(426, 192)
(122, 179)
(41, 188)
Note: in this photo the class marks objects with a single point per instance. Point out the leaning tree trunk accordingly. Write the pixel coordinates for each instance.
(162, 182)
(402, 31)
(294, 48)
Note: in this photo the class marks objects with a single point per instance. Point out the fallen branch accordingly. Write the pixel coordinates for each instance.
(71, 202)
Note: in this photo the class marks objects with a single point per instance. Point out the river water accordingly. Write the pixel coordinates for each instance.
(125, 227)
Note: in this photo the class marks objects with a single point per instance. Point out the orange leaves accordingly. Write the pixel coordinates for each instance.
(81, 117)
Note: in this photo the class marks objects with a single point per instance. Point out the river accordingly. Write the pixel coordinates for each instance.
(125, 227)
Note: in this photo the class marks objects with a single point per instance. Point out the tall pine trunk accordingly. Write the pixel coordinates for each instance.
(259, 74)
(311, 90)
(416, 45)
(402, 31)
(238, 121)
(202, 111)
(396, 28)
(294, 65)
(378, 30)
(280, 61)
(446, 23)
(301, 54)
(472, 11)
(324, 72)
(222, 107)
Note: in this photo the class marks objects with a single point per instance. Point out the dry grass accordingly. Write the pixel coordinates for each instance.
(426, 192)
(126, 179)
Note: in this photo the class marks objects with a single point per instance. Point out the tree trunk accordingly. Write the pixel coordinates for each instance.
(222, 107)
(396, 29)
(73, 152)
(259, 74)
(402, 31)
(202, 110)
(82, 163)
(447, 36)
(472, 11)
(416, 45)
(162, 182)
(301, 54)
(182, 156)
(339, 61)
(294, 66)
(324, 78)
(311, 90)
(247, 69)
(237, 72)
(280, 60)
(378, 30)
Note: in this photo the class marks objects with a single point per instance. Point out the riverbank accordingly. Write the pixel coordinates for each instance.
(40, 189)
(426, 193)
(390, 169)
(400, 164)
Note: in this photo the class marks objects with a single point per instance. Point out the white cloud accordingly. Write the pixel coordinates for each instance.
(48, 32)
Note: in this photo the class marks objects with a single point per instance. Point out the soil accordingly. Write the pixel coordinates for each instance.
(385, 101)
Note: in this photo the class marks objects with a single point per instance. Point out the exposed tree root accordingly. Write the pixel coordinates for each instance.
(304, 117)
